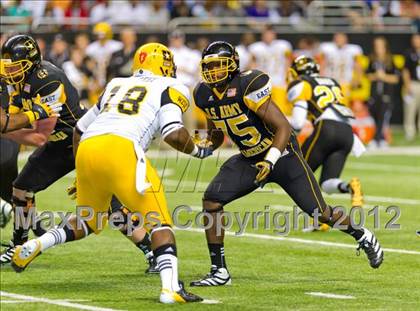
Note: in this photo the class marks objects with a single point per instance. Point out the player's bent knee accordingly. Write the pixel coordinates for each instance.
(23, 199)
(211, 206)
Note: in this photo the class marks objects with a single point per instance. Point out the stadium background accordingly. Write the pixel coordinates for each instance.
(269, 273)
(66, 27)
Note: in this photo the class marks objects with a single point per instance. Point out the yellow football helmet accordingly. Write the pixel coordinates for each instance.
(155, 58)
(103, 30)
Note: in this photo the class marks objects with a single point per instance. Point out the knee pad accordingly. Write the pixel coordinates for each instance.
(163, 227)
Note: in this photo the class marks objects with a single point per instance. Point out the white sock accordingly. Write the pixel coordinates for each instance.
(331, 185)
(52, 237)
(168, 269)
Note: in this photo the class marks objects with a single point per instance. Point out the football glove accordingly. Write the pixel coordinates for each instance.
(205, 146)
(203, 152)
(41, 110)
(264, 169)
(72, 191)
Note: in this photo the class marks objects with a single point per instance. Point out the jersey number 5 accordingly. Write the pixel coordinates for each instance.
(131, 101)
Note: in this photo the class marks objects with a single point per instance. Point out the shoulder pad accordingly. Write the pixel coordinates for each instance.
(176, 94)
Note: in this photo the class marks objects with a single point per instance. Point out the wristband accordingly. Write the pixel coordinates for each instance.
(195, 151)
(273, 155)
(30, 115)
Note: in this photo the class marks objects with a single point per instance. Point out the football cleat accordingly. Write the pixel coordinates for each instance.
(167, 296)
(216, 277)
(6, 256)
(356, 192)
(24, 254)
(371, 247)
(153, 267)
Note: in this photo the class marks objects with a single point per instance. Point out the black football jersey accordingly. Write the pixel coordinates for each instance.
(4, 96)
(53, 86)
(320, 93)
(234, 111)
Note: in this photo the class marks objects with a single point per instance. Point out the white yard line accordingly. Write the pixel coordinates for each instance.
(57, 302)
(328, 295)
(303, 241)
(202, 185)
(384, 167)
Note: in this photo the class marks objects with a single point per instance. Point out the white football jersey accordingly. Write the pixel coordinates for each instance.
(137, 108)
(272, 59)
(339, 62)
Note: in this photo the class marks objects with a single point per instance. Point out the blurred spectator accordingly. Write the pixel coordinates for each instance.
(338, 60)
(206, 8)
(201, 44)
(291, 9)
(229, 8)
(259, 8)
(383, 76)
(245, 56)
(186, 60)
(273, 57)
(78, 74)
(58, 53)
(42, 45)
(101, 49)
(141, 11)
(152, 38)
(120, 64)
(307, 46)
(17, 8)
(158, 14)
(411, 79)
(81, 42)
(180, 9)
(78, 8)
(99, 12)
(121, 12)
(59, 7)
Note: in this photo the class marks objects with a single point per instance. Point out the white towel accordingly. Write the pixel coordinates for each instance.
(358, 147)
(141, 184)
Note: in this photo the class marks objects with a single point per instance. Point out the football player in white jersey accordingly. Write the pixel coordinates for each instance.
(110, 142)
(339, 60)
(273, 56)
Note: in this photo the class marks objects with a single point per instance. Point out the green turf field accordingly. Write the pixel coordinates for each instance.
(106, 271)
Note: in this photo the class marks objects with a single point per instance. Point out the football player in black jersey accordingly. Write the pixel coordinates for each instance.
(320, 99)
(30, 80)
(9, 148)
(239, 105)
(31, 83)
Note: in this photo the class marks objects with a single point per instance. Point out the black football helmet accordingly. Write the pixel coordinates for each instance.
(303, 65)
(20, 54)
(219, 63)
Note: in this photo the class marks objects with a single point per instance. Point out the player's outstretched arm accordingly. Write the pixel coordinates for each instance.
(214, 135)
(181, 140)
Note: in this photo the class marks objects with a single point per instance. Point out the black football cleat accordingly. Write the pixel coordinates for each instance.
(371, 247)
(216, 277)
